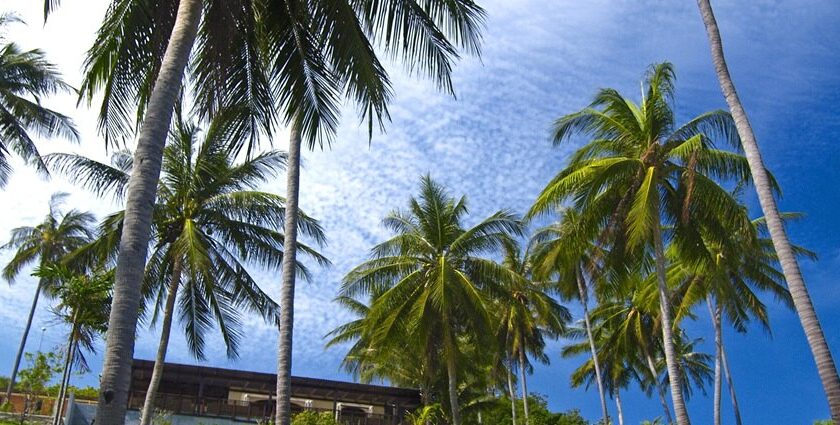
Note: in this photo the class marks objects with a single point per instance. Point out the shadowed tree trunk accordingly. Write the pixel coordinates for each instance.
(287, 288)
(512, 393)
(735, 408)
(659, 390)
(452, 375)
(618, 407)
(522, 361)
(65, 376)
(23, 339)
(674, 377)
(134, 243)
(148, 412)
(714, 313)
(584, 300)
(790, 267)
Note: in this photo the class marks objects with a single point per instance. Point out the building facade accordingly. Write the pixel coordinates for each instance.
(242, 396)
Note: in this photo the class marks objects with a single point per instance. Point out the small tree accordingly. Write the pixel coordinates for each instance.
(34, 379)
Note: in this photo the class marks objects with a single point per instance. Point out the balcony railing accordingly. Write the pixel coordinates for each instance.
(244, 411)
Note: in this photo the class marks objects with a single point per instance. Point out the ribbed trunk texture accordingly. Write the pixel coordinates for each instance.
(654, 374)
(287, 289)
(714, 312)
(23, 339)
(134, 244)
(731, 385)
(148, 413)
(674, 376)
(522, 362)
(584, 301)
(787, 258)
(512, 392)
(618, 407)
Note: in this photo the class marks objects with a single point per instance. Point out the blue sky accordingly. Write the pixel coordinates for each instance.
(542, 59)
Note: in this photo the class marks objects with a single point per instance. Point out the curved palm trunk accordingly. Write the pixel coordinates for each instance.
(584, 300)
(522, 360)
(735, 408)
(65, 377)
(714, 312)
(148, 412)
(134, 243)
(618, 407)
(660, 391)
(512, 393)
(674, 376)
(790, 267)
(23, 339)
(287, 289)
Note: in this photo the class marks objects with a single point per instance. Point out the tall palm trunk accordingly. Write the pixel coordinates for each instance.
(522, 361)
(735, 408)
(287, 289)
(618, 406)
(584, 300)
(512, 392)
(660, 391)
(148, 412)
(65, 377)
(714, 312)
(134, 243)
(674, 376)
(23, 339)
(790, 267)
(451, 374)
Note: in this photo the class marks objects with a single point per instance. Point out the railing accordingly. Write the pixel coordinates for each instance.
(244, 411)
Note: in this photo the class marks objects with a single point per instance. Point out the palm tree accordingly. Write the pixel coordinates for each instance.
(209, 223)
(560, 250)
(764, 188)
(304, 57)
(434, 286)
(26, 77)
(639, 171)
(527, 316)
(47, 243)
(85, 301)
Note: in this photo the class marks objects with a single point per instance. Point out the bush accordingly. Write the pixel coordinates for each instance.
(314, 418)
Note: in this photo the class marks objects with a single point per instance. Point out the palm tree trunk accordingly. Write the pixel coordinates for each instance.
(23, 339)
(134, 243)
(735, 408)
(714, 312)
(660, 391)
(667, 332)
(287, 289)
(522, 360)
(148, 412)
(450, 353)
(618, 407)
(512, 392)
(790, 267)
(65, 377)
(584, 300)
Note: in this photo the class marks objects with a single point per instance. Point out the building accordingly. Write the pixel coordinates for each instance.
(224, 396)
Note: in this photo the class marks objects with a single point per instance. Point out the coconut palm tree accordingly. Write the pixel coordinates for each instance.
(210, 222)
(434, 285)
(639, 171)
(527, 316)
(84, 303)
(47, 243)
(26, 77)
(764, 188)
(305, 57)
(562, 254)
